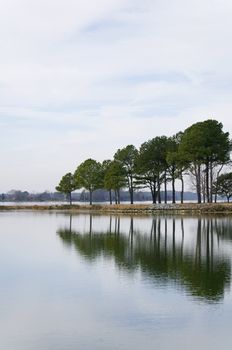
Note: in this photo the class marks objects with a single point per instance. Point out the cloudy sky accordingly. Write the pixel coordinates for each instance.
(81, 79)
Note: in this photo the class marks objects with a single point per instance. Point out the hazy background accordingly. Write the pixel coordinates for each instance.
(81, 79)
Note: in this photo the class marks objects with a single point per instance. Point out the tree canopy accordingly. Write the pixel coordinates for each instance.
(115, 179)
(224, 185)
(67, 185)
(127, 158)
(204, 145)
(89, 175)
(151, 164)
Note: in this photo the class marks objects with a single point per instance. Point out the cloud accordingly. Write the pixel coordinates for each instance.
(82, 79)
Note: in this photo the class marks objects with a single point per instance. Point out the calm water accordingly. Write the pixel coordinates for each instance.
(108, 282)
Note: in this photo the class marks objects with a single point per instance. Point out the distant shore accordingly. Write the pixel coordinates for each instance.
(222, 208)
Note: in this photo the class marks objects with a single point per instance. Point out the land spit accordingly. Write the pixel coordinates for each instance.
(177, 208)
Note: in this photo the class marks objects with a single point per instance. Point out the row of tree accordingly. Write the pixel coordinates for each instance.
(201, 152)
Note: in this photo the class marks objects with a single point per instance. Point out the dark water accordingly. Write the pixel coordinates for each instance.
(107, 282)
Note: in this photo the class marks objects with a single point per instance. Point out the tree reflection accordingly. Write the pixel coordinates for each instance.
(162, 253)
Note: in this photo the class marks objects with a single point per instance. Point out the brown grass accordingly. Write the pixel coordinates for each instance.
(128, 208)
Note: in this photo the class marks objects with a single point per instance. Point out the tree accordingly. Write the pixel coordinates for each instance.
(105, 168)
(146, 168)
(172, 162)
(89, 175)
(127, 158)
(224, 185)
(176, 165)
(115, 179)
(67, 185)
(205, 146)
(151, 165)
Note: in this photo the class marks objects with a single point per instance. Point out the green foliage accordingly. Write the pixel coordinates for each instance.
(151, 163)
(127, 157)
(224, 185)
(176, 163)
(204, 146)
(104, 170)
(152, 155)
(67, 185)
(172, 156)
(205, 141)
(115, 176)
(105, 165)
(89, 175)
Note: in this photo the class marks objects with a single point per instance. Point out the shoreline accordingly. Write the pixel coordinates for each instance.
(195, 208)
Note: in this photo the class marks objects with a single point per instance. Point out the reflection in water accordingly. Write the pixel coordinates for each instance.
(165, 252)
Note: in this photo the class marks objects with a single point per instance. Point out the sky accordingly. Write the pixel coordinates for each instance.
(80, 79)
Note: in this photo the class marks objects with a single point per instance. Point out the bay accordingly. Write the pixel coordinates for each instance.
(114, 282)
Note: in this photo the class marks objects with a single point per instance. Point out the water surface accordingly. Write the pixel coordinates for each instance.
(111, 282)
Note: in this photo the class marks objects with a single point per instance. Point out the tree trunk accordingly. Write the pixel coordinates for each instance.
(218, 173)
(211, 182)
(110, 194)
(158, 189)
(203, 194)
(118, 191)
(153, 196)
(173, 190)
(153, 192)
(207, 181)
(215, 198)
(198, 180)
(132, 196)
(70, 198)
(165, 187)
(131, 189)
(115, 197)
(90, 197)
(182, 190)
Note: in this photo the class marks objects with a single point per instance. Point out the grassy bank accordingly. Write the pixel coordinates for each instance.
(128, 208)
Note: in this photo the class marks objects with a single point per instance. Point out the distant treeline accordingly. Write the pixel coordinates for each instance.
(98, 196)
(201, 152)
(25, 196)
